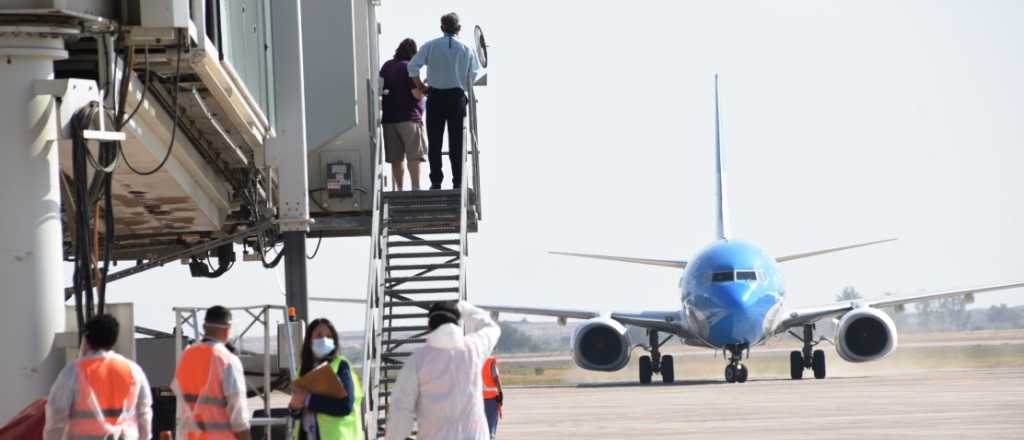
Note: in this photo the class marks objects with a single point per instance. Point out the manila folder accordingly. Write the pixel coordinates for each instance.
(322, 382)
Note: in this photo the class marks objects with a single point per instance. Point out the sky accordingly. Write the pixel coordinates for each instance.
(842, 122)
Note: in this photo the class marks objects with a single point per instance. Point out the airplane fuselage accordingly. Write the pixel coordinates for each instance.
(731, 293)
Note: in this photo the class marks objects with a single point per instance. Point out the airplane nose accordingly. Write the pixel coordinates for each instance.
(738, 322)
(733, 295)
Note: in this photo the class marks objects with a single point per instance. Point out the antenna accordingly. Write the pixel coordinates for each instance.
(723, 214)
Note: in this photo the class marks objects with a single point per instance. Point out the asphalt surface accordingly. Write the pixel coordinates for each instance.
(961, 404)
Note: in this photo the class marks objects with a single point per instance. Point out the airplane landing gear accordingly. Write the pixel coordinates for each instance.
(736, 371)
(807, 358)
(656, 363)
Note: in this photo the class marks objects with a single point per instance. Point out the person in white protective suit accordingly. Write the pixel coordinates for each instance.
(439, 387)
(100, 395)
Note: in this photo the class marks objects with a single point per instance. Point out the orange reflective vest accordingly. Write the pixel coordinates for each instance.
(106, 398)
(490, 374)
(200, 382)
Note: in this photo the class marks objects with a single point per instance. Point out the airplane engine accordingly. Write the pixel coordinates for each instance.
(601, 344)
(865, 334)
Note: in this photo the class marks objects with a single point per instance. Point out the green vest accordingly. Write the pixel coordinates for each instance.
(349, 427)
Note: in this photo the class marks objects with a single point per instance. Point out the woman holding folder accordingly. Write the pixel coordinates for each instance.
(325, 417)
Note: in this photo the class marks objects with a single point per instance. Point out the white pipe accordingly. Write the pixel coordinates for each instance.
(30, 229)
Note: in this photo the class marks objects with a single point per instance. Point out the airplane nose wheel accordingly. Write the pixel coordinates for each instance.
(736, 371)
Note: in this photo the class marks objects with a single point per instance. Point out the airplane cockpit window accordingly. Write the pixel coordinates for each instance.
(721, 277)
(739, 275)
(746, 275)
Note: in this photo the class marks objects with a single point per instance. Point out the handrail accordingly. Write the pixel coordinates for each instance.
(475, 152)
(371, 351)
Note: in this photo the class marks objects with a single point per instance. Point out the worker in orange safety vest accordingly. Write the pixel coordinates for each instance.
(100, 395)
(493, 396)
(210, 385)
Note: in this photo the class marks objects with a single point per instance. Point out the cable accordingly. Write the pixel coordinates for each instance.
(273, 263)
(174, 121)
(317, 250)
(145, 88)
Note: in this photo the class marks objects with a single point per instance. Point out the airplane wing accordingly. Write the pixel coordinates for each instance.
(668, 322)
(679, 264)
(807, 315)
(829, 250)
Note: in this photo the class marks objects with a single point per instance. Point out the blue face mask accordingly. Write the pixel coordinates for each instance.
(323, 347)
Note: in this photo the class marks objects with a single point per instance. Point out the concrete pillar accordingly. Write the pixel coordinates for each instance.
(32, 311)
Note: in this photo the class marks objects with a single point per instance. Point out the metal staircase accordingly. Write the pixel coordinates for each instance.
(418, 256)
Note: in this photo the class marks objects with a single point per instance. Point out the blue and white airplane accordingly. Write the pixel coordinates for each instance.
(732, 299)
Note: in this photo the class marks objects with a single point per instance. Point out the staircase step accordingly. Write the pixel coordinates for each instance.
(423, 243)
(406, 328)
(404, 341)
(399, 303)
(397, 354)
(417, 229)
(394, 316)
(448, 254)
(413, 195)
(423, 266)
(421, 278)
(392, 292)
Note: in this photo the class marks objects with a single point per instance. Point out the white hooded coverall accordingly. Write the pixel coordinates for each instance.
(440, 385)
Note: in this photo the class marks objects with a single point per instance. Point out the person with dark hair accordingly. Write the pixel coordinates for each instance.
(440, 385)
(101, 394)
(210, 385)
(402, 116)
(452, 67)
(324, 417)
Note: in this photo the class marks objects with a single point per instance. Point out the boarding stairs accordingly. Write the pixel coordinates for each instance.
(419, 251)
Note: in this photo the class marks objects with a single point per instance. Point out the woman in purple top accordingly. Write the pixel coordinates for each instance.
(402, 119)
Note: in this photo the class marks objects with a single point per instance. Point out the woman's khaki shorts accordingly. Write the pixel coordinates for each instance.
(404, 138)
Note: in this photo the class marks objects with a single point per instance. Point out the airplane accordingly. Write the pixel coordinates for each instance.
(733, 299)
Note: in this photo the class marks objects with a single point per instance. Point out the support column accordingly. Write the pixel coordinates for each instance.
(287, 151)
(31, 251)
(296, 293)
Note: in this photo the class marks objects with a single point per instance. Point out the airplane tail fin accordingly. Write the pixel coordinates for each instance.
(723, 213)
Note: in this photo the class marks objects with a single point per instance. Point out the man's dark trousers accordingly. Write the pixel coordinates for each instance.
(445, 106)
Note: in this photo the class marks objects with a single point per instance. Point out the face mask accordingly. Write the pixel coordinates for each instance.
(323, 347)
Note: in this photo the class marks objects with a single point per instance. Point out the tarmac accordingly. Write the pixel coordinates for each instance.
(962, 404)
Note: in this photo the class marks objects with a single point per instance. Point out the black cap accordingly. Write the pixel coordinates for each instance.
(443, 312)
(217, 315)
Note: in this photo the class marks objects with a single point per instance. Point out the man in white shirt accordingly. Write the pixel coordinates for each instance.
(440, 384)
(451, 69)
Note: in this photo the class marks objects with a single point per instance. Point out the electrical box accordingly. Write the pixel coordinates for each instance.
(339, 180)
(163, 13)
(297, 329)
